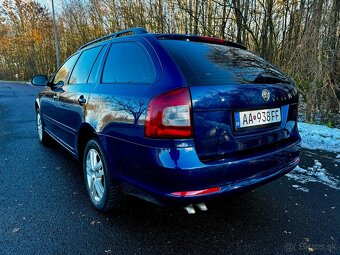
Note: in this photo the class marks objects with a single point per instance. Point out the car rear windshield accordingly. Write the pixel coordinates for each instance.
(211, 64)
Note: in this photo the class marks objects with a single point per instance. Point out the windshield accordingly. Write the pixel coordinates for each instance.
(210, 64)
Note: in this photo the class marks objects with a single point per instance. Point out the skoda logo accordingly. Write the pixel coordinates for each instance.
(265, 95)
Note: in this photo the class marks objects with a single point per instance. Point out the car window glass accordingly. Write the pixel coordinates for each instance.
(84, 65)
(128, 62)
(95, 69)
(210, 64)
(62, 74)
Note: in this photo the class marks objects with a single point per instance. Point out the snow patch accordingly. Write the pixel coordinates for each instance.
(316, 173)
(318, 137)
(298, 187)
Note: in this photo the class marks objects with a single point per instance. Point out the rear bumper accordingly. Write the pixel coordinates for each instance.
(155, 174)
(228, 189)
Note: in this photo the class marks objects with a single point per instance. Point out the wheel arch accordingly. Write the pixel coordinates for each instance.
(85, 133)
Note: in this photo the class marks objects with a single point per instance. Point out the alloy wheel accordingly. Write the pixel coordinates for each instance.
(95, 175)
(39, 127)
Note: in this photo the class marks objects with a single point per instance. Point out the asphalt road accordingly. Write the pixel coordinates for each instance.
(44, 208)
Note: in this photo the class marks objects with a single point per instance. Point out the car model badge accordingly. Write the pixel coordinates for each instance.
(265, 95)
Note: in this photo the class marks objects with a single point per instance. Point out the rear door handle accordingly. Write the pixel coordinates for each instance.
(81, 100)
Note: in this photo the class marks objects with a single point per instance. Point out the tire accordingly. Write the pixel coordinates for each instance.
(44, 138)
(103, 193)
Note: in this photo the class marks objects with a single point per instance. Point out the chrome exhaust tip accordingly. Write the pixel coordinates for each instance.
(189, 209)
(202, 207)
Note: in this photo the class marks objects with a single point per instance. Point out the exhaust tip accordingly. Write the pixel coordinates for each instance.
(202, 207)
(189, 209)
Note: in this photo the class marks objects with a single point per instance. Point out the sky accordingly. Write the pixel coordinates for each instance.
(47, 3)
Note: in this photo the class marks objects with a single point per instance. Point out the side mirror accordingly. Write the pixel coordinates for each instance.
(39, 80)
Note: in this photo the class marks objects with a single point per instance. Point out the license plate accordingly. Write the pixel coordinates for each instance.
(257, 117)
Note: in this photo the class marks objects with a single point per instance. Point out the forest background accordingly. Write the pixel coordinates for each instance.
(300, 37)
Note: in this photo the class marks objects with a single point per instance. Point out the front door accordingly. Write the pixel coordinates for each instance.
(49, 102)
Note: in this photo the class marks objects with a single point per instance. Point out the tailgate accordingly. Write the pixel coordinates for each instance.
(216, 132)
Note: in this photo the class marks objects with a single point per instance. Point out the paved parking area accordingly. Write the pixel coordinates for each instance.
(44, 208)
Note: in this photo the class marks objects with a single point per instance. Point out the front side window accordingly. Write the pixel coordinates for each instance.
(83, 67)
(64, 71)
(128, 62)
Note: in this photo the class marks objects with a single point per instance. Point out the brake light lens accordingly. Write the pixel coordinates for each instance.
(211, 40)
(169, 115)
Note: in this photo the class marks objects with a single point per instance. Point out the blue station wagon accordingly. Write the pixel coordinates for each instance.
(174, 119)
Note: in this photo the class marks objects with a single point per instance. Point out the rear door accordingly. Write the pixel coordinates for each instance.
(117, 106)
(241, 103)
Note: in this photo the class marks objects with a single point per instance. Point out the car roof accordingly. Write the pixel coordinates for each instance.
(138, 31)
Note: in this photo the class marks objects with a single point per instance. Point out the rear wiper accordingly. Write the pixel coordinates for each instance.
(270, 78)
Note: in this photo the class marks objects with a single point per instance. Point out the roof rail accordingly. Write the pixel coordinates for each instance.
(136, 30)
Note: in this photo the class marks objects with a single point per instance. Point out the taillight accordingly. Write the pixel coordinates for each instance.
(169, 115)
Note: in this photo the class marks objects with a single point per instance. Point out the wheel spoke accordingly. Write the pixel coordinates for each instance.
(89, 169)
(91, 186)
(98, 166)
(89, 176)
(99, 188)
(93, 158)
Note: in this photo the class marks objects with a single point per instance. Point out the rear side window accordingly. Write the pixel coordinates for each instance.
(128, 62)
(211, 64)
(83, 67)
(64, 71)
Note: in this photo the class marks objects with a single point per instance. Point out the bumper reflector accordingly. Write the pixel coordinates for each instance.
(196, 192)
